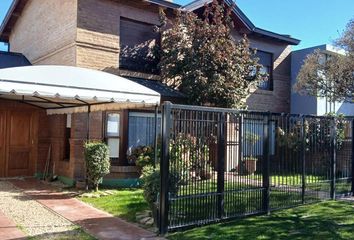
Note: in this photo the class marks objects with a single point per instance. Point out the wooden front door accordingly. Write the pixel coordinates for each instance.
(21, 143)
(2, 143)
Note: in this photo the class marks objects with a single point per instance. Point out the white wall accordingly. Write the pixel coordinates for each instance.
(310, 105)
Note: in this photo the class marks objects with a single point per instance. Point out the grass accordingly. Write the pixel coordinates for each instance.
(326, 220)
(293, 180)
(198, 202)
(198, 208)
(342, 186)
(122, 203)
(193, 206)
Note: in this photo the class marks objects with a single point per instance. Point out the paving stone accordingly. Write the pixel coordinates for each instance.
(98, 223)
(9, 231)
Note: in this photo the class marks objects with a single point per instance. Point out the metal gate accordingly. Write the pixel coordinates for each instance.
(222, 163)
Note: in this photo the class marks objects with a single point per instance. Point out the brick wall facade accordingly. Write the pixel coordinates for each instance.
(98, 28)
(85, 33)
(46, 32)
(277, 100)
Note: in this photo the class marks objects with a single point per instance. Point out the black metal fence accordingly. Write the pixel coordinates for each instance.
(221, 163)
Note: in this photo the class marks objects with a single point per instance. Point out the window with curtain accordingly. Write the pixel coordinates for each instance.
(142, 129)
(113, 135)
(137, 41)
(266, 59)
(255, 130)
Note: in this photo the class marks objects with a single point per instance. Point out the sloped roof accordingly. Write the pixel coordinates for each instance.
(18, 5)
(164, 3)
(10, 59)
(64, 87)
(196, 4)
(162, 89)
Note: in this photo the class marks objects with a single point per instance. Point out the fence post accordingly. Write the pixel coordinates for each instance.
(164, 167)
(303, 158)
(221, 165)
(333, 158)
(265, 165)
(353, 156)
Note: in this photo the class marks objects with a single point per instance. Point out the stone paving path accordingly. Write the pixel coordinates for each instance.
(9, 230)
(96, 222)
(34, 218)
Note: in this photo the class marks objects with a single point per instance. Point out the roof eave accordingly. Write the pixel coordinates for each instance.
(164, 3)
(245, 20)
(280, 37)
(7, 19)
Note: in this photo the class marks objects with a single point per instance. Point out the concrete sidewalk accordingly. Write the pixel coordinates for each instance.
(95, 222)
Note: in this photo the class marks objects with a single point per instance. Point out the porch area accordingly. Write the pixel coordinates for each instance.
(48, 112)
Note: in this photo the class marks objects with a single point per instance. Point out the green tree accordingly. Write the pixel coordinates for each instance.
(331, 76)
(200, 57)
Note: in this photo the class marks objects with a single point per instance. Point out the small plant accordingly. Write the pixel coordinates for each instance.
(97, 161)
(151, 178)
(151, 184)
(142, 156)
(248, 165)
(340, 128)
(190, 155)
(251, 139)
(291, 139)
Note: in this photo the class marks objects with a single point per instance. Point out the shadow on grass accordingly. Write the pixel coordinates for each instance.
(327, 220)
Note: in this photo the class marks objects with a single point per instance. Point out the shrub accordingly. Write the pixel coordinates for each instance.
(97, 161)
(151, 178)
(142, 156)
(188, 155)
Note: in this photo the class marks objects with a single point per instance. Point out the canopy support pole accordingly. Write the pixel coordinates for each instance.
(156, 136)
(87, 138)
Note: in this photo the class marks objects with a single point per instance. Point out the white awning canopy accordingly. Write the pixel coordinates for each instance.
(65, 89)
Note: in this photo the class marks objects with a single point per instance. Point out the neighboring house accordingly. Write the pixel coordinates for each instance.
(102, 35)
(302, 104)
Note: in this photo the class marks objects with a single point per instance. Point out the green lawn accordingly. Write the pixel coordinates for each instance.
(326, 220)
(197, 208)
(295, 180)
(184, 210)
(122, 203)
(192, 206)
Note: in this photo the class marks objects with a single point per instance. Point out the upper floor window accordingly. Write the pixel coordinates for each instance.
(266, 59)
(137, 43)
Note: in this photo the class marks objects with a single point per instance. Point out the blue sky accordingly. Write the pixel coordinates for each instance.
(314, 22)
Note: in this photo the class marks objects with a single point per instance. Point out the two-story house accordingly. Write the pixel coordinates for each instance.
(100, 34)
(302, 104)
